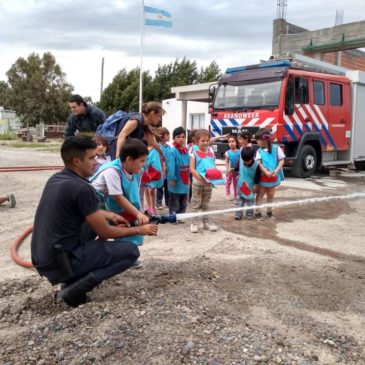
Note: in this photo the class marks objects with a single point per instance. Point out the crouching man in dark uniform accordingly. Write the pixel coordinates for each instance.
(85, 118)
(62, 248)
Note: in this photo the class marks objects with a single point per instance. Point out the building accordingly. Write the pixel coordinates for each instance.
(196, 114)
(9, 122)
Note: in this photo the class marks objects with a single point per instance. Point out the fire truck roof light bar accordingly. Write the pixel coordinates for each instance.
(295, 61)
(283, 63)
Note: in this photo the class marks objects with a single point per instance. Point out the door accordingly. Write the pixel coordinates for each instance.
(338, 116)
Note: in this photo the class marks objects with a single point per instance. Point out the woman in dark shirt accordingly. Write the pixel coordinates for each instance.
(140, 126)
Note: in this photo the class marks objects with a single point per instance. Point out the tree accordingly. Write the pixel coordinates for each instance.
(123, 92)
(5, 95)
(176, 73)
(38, 90)
(210, 73)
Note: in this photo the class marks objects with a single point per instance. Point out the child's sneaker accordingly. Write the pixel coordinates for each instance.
(270, 216)
(232, 198)
(210, 226)
(238, 216)
(12, 201)
(259, 216)
(159, 207)
(249, 217)
(228, 197)
(194, 228)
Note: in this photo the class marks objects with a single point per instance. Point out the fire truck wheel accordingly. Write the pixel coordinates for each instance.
(360, 165)
(306, 163)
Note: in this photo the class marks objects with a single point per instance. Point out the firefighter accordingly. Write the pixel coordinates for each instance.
(64, 246)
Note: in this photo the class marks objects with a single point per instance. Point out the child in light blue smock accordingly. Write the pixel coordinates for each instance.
(205, 176)
(178, 173)
(248, 180)
(271, 160)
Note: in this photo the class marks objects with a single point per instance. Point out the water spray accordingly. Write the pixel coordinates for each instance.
(183, 216)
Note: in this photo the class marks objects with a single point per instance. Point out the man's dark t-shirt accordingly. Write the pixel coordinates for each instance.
(66, 200)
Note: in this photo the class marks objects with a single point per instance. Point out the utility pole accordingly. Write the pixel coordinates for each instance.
(102, 77)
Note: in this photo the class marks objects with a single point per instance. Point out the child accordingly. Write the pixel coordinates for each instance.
(249, 177)
(232, 157)
(244, 139)
(163, 191)
(205, 175)
(178, 173)
(271, 160)
(117, 184)
(153, 171)
(102, 146)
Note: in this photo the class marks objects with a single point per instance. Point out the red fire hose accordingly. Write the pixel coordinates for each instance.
(29, 168)
(15, 246)
(19, 240)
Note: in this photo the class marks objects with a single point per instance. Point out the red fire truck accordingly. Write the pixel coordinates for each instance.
(315, 111)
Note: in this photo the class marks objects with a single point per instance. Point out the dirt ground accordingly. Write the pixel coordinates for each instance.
(291, 291)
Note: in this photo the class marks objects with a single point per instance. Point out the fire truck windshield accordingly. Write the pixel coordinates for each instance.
(248, 95)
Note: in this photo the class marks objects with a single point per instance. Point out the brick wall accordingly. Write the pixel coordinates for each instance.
(352, 59)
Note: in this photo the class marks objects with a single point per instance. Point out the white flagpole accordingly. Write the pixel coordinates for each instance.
(141, 61)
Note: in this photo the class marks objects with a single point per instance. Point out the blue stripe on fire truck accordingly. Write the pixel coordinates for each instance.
(323, 141)
(299, 130)
(329, 137)
(290, 132)
(223, 122)
(215, 128)
(234, 122)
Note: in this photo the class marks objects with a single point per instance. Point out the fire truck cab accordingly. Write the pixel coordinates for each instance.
(316, 116)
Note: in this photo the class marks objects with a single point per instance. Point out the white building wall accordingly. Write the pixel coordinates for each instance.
(173, 116)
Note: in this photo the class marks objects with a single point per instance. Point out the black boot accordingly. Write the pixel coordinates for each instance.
(75, 293)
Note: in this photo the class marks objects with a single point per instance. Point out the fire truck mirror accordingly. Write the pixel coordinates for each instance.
(212, 90)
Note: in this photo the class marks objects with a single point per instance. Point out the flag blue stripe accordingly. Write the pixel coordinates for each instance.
(165, 13)
(158, 23)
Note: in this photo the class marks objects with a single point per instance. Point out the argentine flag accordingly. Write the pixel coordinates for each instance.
(157, 17)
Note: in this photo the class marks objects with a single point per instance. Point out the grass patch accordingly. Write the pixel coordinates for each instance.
(49, 146)
(8, 136)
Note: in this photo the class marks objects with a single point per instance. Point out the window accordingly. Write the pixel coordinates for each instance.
(197, 121)
(301, 90)
(248, 95)
(335, 94)
(318, 92)
(289, 102)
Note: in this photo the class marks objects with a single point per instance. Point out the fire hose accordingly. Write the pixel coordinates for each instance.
(15, 247)
(159, 219)
(29, 168)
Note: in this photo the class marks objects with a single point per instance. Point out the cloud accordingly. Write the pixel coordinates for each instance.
(81, 32)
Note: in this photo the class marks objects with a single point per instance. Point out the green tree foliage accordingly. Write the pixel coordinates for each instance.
(5, 95)
(123, 92)
(38, 90)
(179, 73)
(210, 73)
(176, 73)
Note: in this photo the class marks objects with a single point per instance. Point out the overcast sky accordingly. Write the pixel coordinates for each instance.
(80, 32)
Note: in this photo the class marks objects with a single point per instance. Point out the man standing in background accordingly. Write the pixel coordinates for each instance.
(85, 118)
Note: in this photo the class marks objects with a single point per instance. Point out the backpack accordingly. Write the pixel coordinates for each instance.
(109, 129)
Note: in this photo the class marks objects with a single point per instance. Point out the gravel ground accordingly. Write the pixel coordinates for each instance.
(290, 291)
